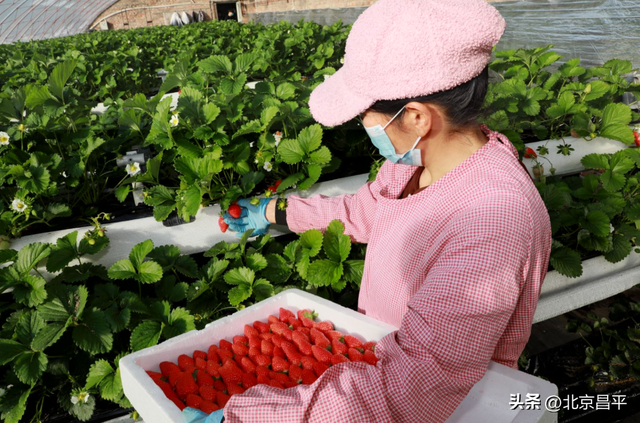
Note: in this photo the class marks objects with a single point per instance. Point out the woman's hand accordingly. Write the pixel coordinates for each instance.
(251, 217)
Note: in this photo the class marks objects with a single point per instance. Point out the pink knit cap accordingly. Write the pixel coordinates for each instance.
(408, 48)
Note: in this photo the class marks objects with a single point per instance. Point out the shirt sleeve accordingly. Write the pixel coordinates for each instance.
(445, 341)
(355, 211)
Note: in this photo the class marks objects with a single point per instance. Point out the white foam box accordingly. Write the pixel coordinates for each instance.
(487, 402)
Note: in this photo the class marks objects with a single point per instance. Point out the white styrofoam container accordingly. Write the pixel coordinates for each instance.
(487, 402)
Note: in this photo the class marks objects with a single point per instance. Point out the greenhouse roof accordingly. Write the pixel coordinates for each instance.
(25, 20)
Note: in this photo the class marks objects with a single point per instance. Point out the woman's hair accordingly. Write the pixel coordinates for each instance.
(462, 104)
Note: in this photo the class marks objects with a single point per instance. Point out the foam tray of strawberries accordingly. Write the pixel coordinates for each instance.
(289, 339)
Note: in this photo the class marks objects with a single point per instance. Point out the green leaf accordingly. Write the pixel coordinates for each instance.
(59, 77)
(119, 319)
(29, 366)
(289, 181)
(14, 403)
(180, 321)
(122, 192)
(9, 350)
(98, 371)
(31, 292)
(312, 240)
(7, 256)
(239, 293)
(93, 334)
(322, 156)
(66, 301)
(612, 182)
(353, 270)
(290, 151)
(122, 269)
(63, 253)
(616, 113)
(37, 96)
(285, 91)
(268, 114)
(149, 272)
(48, 336)
(111, 386)
(595, 161)
(262, 289)
(337, 246)
(324, 272)
(216, 64)
(240, 276)
(139, 252)
(29, 256)
(314, 174)
(310, 138)
(192, 199)
(566, 261)
(29, 324)
(35, 179)
(619, 132)
(598, 88)
(146, 334)
(256, 262)
(211, 112)
(597, 223)
(621, 249)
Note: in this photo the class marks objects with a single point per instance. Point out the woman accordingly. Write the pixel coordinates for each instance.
(458, 236)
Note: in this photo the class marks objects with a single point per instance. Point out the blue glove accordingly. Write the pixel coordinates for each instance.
(251, 217)
(192, 415)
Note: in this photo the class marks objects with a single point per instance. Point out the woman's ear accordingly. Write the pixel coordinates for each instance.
(421, 118)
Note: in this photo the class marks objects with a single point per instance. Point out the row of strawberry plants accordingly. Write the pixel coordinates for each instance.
(61, 340)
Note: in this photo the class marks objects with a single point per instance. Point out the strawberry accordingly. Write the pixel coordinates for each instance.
(225, 355)
(219, 385)
(338, 347)
(253, 351)
(272, 319)
(321, 354)
(277, 340)
(279, 364)
(230, 373)
(301, 342)
(225, 345)
(355, 355)
(285, 315)
(308, 362)
(202, 378)
(353, 342)
(263, 379)
(636, 138)
(295, 323)
(261, 326)
(254, 341)
(371, 346)
(295, 373)
(278, 182)
(222, 399)
(238, 359)
(222, 224)
(334, 334)
(154, 375)
(574, 134)
(266, 347)
(240, 349)
(290, 384)
(306, 331)
(320, 368)
(262, 371)
(173, 377)
(199, 354)
(234, 389)
(168, 392)
(529, 153)
(241, 339)
(338, 358)
(201, 364)
(249, 381)
(325, 326)
(272, 188)
(186, 385)
(212, 354)
(275, 384)
(208, 407)
(207, 393)
(292, 353)
(247, 365)
(320, 340)
(194, 400)
(277, 352)
(308, 377)
(262, 360)
(234, 211)
(281, 377)
(250, 331)
(166, 367)
(212, 366)
(370, 357)
(268, 336)
(184, 361)
(279, 328)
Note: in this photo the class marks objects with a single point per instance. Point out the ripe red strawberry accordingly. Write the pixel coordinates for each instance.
(371, 346)
(154, 375)
(173, 377)
(272, 319)
(219, 385)
(279, 364)
(184, 362)
(240, 349)
(249, 381)
(186, 385)
(225, 355)
(308, 362)
(636, 138)
(207, 393)
(285, 315)
(278, 182)
(199, 354)
(168, 392)
(254, 341)
(281, 377)
(247, 365)
(262, 371)
(202, 378)
(261, 326)
(279, 328)
(222, 224)
(370, 357)
(295, 373)
(234, 389)
(353, 342)
(321, 354)
(230, 373)
(208, 407)
(253, 351)
(238, 359)
(529, 153)
(263, 379)
(308, 377)
(266, 347)
(338, 347)
(277, 340)
(166, 367)
(225, 345)
(241, 339)
(308, 314)
(338, 358)
(262, 360)
(222, 399)
(320, 340)
(293, 355)
(290, 384)
(325, 326)
(212, 367)
(306, 331)
(355, 355)
(334, 334)
(320, 368)
(201, 364)
(234, 211)
(212, 354)
(295, 323)
(277, 352)
(268, 336)
(275, 384)
(194, 400)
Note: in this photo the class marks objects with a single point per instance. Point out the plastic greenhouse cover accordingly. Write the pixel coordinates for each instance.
(25, 20)
(593, 30)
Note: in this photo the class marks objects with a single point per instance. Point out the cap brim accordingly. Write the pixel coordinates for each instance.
(332, 103)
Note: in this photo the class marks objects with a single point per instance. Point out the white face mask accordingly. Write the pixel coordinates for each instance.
(380, 139)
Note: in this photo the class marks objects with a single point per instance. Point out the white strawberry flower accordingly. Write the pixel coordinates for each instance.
(133, 168)
(342, 61)
(278, 137)
(256, 161)
(251, 144)
(18, 205)
(74, 399)
(174, 120)
(4, 138)
(267, 166)
(81, 397)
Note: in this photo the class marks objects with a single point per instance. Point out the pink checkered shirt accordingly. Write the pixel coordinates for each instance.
(457, 267)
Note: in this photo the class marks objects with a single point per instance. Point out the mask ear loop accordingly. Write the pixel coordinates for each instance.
(395, 116)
